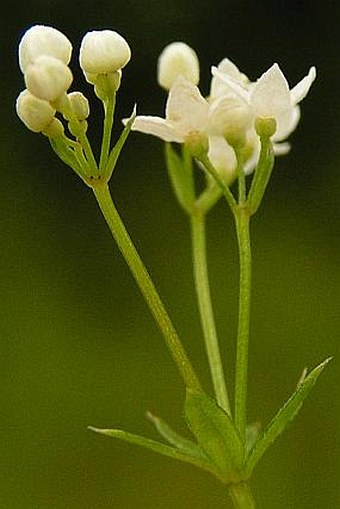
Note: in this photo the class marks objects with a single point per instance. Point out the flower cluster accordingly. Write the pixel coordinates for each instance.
(44, 55)
(229, 121)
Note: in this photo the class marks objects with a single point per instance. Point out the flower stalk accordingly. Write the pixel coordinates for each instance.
(146, 286)
(242, 217)
(241, 496)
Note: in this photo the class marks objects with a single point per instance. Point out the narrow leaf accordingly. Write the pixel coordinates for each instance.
(114, 154)
(215, 433)
(183, 444)
(262, 175)
(284, 416)
(180, 172)
(156, 446)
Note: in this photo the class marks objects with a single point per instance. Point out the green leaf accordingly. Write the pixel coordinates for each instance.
(216, 434)
(284, 416)
(183, 444)
(262, 175)
(158, 447)
(180, 172)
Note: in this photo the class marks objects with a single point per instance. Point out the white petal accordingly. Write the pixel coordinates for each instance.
(286, 123)
(228, 68)
(300, 90)
(280, 149)
(156, 126)
(223, 157)
(270, 96)
(229, 112)
(232, 86)
(186, 109)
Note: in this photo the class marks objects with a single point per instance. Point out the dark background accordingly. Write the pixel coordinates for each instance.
(78, 345)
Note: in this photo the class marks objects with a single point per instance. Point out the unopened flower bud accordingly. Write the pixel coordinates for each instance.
(103, 52)
(177, 59)
(35, 113)
(54, 130)
(79, 104)
(48, 78)
(43, 40)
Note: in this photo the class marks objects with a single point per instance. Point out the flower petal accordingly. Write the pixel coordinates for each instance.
(232, 86)
(300, 90)
(281, 149)
(223, 157)
(186, 109)
(286, 123)
(270, 96)
(229, 69)
(156, 126)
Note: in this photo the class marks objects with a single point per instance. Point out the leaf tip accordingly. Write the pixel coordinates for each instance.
(101, 431)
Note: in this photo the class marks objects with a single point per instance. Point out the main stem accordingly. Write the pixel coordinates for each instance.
(242, 217)
(146, 286)
(241, 496)
(206, 310)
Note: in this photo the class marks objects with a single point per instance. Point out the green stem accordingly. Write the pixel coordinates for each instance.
(146, 286)
(223, 186)
(206, 310)
(241, 496)
(109, 107)
(242, 217)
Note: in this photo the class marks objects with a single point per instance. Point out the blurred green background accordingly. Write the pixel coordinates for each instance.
(78, 345)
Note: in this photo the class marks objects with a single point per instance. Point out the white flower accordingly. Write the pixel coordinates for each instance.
(177, 59)
(35, 113)
(43, 40)
(188, 119)
(270, 96)
(48, 78)
(103, 52)
(187, 112)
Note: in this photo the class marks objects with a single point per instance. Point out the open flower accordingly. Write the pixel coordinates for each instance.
(186, 113)
(188, 119)
(269, 97)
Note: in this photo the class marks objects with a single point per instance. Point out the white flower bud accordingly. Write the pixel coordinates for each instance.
(35, 113)
(177, 59)
(54, 130)
(48, 78)
(103, 52)
(79, 104)
(42, 40)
